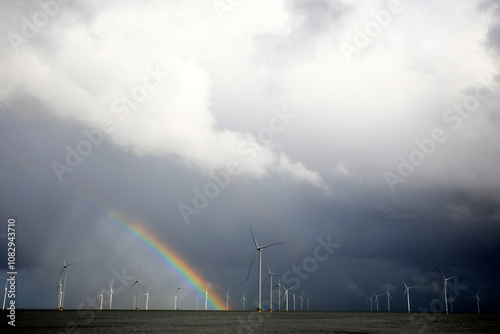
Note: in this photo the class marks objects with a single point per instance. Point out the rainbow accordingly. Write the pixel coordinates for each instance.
(169, 257)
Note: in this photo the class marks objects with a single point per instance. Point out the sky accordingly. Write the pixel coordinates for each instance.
(143, 139)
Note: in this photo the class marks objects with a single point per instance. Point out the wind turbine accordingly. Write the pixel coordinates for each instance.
(65, 270)
(388, 300)
(445, 280)
(259, 250)
(369, 305)
(101, 296)
(206, 296)
(147, 298)
(177, 292)
(301, 299)
(111, 294)
(376, 298)
(407, 292)
(135, 300)
(5, 295)
(227, 300)
(286, 296)
(197, 302)
(308, 298)
(270, 275)
(244, 300)
(451, 302)
(477, 301)
(138, 282)
(293, 294)
(279, 295)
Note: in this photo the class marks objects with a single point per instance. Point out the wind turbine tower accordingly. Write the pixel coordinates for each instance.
(101, 295)
(206, 296)
(147, 298)
(308, 298)
(111, 294)
(227, 300)
(388, 300)
(270, 276)
(177, 297)
(259, 250)
(65, 270)
(244, 300)
(477, 301)
(445, 283)
(407, 292)
(376, 298)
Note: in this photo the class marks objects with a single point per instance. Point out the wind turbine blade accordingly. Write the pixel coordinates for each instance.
(451, 277)
(440, 273)
(251, 263)
(254, 241)
(70, 264)
(265, 280)
(276, 243)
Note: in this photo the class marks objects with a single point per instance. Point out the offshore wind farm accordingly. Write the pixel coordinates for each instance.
(258, 318)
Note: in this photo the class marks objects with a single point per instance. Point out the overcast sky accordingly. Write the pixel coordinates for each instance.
(372, 125)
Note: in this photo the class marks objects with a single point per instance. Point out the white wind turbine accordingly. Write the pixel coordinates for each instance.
(138, 282)
(259, 250)
(293, 294)
(111, 294)
(227, 300)
(206, 296)
(369, 305)
(376, 298)
(301, 299)
(407, 292)
(286, 296)
(244, 300)
(147, 298)
(388, 299)
(177, 297)
(270, 276)
(477, 301)
(308, 298)
(135, 301)
(65, 270)
(451, 300)
(279, 294)
(445, 283)
(101, 295)
(197, 297)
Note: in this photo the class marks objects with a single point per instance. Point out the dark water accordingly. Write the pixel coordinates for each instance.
(90, 321)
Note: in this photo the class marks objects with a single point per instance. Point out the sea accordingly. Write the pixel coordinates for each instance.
(153, 321)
